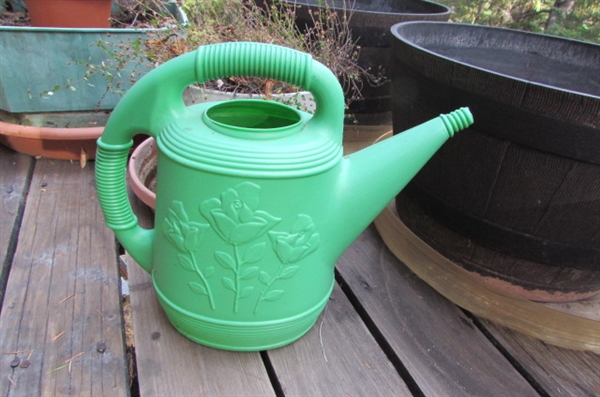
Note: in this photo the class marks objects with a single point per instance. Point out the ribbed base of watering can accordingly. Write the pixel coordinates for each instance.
(241, 335)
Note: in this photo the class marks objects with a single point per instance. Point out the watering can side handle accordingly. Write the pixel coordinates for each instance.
(279, 63)
(144, 109)
(112, 195)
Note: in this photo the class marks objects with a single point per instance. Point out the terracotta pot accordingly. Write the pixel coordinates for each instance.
(142, 171)
(69, 13)
(54, 143)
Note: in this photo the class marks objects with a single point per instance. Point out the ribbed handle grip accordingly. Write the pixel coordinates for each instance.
(254, 59)
(111, 161)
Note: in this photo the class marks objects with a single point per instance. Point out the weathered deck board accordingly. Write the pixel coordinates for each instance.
(14, 181)
(560, 372)
(440, 347)
(62, 296)
(337, 357)
(168, 364)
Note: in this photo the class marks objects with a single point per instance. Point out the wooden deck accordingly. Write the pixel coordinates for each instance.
(65, 326)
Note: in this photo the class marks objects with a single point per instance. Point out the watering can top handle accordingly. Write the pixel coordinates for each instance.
(274, 62)
(253, 59)
(156, 98)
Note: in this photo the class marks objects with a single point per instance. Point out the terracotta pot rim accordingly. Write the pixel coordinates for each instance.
(60, 133)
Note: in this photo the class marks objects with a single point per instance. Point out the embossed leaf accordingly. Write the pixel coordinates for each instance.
(198, 288)
(273, 295)
(254, 253)
(228, 283)
(246, 292)
(289, 272)
(264, 278)
(225, 260)
(185, 262)
(209, 271)
(249, 273)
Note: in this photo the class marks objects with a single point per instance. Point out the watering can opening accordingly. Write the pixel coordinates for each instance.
(253, 118)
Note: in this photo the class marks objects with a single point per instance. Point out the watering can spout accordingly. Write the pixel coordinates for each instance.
(375, 175)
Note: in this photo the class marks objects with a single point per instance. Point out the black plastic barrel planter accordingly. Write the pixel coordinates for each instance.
(516, 198)
(370, 24)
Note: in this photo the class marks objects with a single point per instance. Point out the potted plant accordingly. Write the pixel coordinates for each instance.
(60, 80)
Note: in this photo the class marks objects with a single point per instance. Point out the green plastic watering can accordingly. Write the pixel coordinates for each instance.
(255, 201)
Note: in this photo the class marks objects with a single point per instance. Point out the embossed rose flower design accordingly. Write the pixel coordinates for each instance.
(248, 268)
(185, 235)
(300, 242)
(234, 217)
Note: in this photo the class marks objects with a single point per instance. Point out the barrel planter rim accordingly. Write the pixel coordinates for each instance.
(351, 8)
(395, 32)
(370, 30)
(582, 117)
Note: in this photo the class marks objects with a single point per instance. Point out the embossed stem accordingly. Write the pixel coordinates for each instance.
(268, 287)
(204, 280)
(238, 265)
